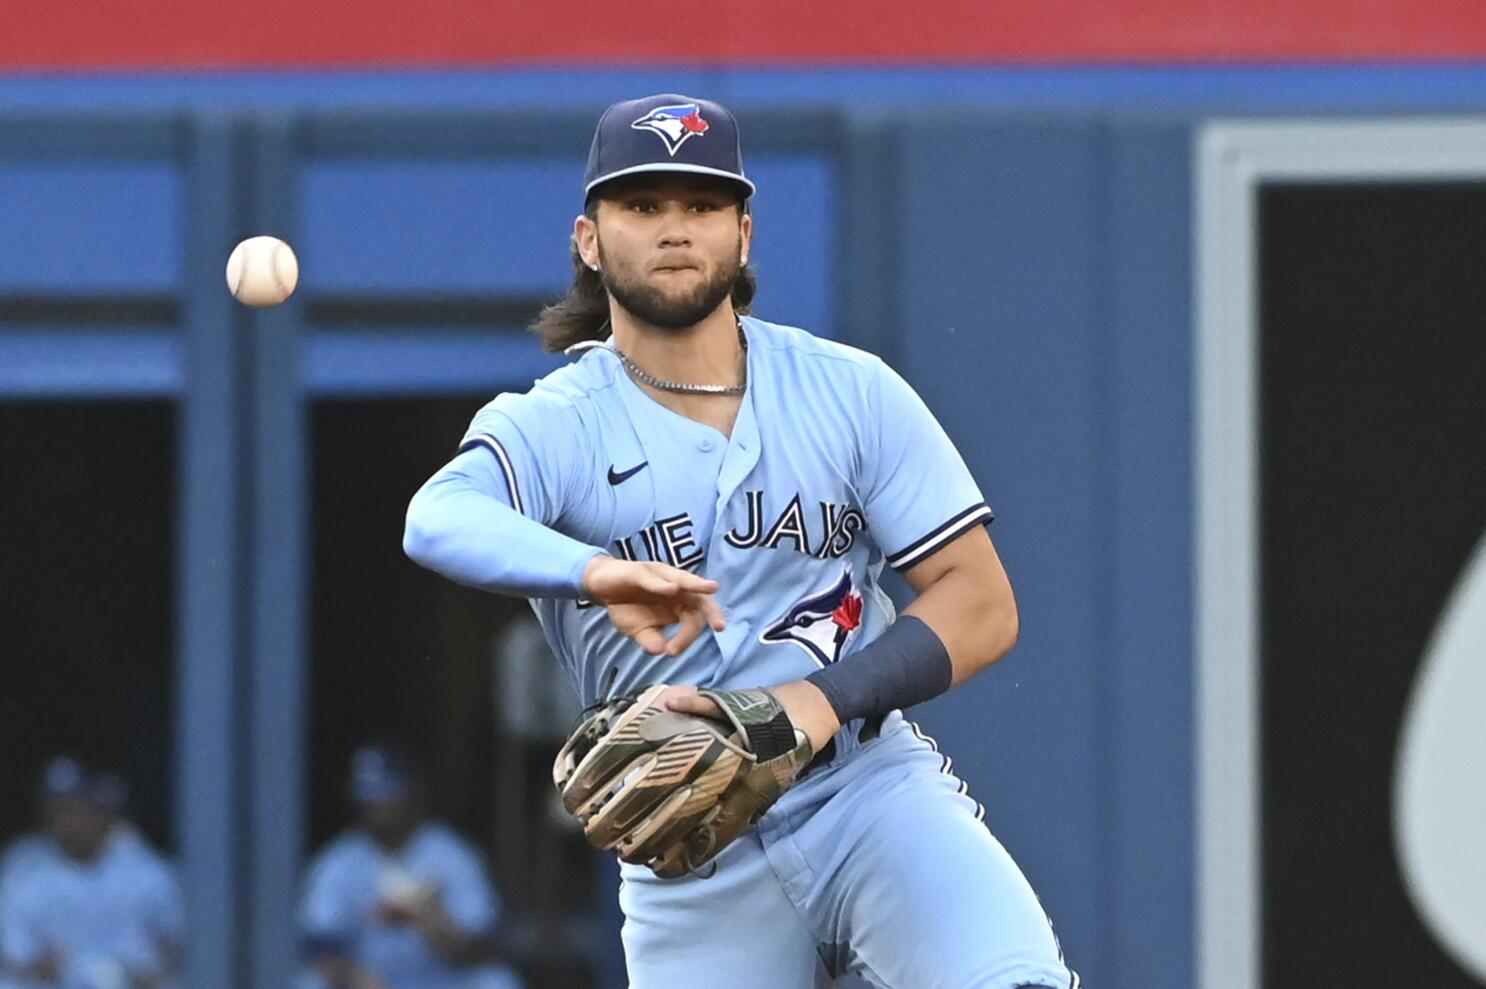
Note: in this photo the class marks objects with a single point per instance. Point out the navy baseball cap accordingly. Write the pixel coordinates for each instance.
(65, 778)
(666, 133)
(380, 772)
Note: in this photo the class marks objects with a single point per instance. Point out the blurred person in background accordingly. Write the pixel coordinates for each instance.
(399, 901)
(87, 903)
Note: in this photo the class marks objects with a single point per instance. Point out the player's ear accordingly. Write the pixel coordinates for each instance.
(745, 234)
(586, 240)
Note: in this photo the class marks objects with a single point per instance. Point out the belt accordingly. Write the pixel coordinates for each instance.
(871, 725)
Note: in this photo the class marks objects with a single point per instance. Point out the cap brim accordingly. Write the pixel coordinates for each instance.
(664, 166)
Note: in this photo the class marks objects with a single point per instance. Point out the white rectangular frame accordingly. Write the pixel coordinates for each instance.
(1233, 159)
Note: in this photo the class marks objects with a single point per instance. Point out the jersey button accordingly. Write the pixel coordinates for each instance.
(705, 445)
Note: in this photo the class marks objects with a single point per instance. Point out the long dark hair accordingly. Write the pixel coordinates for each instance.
(583, 313)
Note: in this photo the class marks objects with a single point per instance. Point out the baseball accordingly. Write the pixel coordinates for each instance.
(262, 271)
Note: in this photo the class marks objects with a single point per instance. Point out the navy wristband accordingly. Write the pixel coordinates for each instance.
(903, 666)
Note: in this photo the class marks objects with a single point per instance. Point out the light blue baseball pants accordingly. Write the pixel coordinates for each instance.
(877, 865)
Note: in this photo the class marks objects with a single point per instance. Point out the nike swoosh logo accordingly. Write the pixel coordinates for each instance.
(615, 478)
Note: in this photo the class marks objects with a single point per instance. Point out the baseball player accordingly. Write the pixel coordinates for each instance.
(701, 505)
(87, 903)
(398, 901)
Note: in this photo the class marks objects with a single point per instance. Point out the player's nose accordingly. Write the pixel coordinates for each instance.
(675, 227)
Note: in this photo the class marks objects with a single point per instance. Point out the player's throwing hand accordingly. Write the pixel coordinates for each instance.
(646, 599)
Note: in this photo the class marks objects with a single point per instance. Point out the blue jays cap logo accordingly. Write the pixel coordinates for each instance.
(673, 124)
(821, 624)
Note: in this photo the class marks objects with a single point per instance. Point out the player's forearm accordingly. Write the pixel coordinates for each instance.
(958, 626)
(963, 620)
(458, 527)
(809, 710)
(973, 611)
(45, 970)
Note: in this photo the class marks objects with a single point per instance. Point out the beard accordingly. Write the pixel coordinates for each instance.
(670, 311)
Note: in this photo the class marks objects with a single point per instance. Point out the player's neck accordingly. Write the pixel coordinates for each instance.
(707, 353)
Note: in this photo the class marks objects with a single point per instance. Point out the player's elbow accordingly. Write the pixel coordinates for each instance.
(1001, 624)
(422, 535)
(1010, 628)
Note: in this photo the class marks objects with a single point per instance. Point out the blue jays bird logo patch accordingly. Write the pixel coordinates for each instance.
(673, 124)
(821, 624)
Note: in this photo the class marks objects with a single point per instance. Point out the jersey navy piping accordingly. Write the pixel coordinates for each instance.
(494, 446)
(958, 525)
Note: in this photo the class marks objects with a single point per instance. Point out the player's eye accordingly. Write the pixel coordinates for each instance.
(642, 206)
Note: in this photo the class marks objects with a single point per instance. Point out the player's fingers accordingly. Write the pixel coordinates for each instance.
(650, 639)
(656, 584)
(676, 690)
(686, 580)
(693, 704)
(712, 612)
(688, 629)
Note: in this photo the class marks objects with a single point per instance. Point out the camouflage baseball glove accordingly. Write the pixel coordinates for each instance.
(671, 790)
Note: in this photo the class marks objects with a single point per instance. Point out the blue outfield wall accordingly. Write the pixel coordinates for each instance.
(1041, 289)
(1017, 242)
(1241, 88)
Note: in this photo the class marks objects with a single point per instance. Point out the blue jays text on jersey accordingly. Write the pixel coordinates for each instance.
(671, 540)
(834, 467)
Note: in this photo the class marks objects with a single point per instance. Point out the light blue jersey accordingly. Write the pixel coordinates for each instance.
(24, 851)
(351, 880)
(875, 863)
(834, 467)
(101, 921)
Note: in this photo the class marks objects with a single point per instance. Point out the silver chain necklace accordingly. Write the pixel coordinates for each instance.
(644, 377)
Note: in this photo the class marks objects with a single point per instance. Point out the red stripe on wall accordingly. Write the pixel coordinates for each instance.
(363, 33)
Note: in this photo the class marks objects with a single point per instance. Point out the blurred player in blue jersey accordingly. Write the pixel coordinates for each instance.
(706, 499)
(399, 901)
(87, 903)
